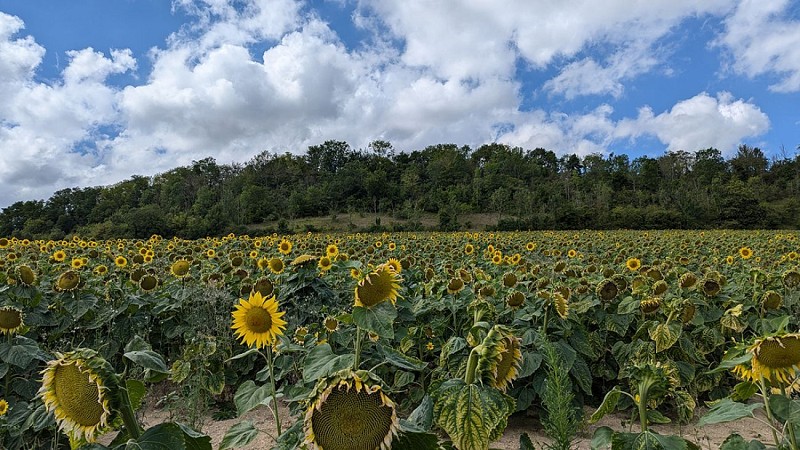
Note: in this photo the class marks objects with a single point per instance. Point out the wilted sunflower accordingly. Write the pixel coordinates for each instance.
(148, 282)
(710, 287)
(607, 290)
(11, 320)
(349, 411)
(257, 320)
(687, 280)
(331, 324)
(79, 388)
(300, 335)
(509, 280)
(791, 279)
(659, 287)
(775, 358)
(500, 357)
(303, 260)
(561, 305)
(515, 299)
(377, 287)
(264, 287)
(26, 275)
(455, 286)
(650, 305)
(771, 300)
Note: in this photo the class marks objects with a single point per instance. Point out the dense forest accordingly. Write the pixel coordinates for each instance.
(527, 189)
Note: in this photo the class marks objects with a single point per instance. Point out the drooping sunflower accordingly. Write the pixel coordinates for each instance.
(80, 388)
(349, 411)
(687, 280)
(771, 300)
(148, 282)
(791, 279)
(775, 358)
(455, 285)
(264, 286)
(500, 357)
(515, 299)
(377, 287)
(561, 304)
(710, 287)
(509, 279)
(68, 281)
(257, 320)
(11, 320)
(26, 275)
(633, 264)
(607, 290)
(180, 268)
(650, 305)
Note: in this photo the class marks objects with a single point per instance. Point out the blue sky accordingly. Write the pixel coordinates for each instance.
(94, 91)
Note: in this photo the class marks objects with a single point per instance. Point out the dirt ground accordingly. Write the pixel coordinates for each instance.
(708, 438)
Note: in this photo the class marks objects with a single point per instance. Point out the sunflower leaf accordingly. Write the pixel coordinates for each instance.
(402, 361)
(321, 362)
(249, 395)
(149, 360)
(377, 319)
(239, 435)
(472, 415)
(726, 411)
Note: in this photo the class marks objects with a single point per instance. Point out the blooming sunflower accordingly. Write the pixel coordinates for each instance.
(331, 324)
(775, 359)
(331, 250)
(79, 388)
(325, 264)
(349, 411)
(180, 268)
(377, 287)
(394, 265)
(3, 407)
(120, 261)
(746, 252)
(633, 264)
(285, 247)
(60, 256)
(11, 320)
(257, 320)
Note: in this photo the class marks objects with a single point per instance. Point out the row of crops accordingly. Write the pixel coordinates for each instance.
(405, 341)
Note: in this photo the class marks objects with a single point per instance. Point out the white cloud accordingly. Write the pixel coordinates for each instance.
(699, 122)
(762, 41)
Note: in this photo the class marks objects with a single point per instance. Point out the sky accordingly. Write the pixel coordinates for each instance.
(95, 91)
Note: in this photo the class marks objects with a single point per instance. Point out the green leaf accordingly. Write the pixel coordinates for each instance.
(137, 343)
(416, 441)
(136, 392)
(525, 442)
(21, 352)
(453, 345)
(608, 406)
(422, 416)
(602, 438)
(726, 410)
(472, 415)
(378, 319)
(728, 364)
(736, 442)
(665, 335)
(164, 436)
(402, 361)
(531, 361)
(743, 391)
(249, 396)
(193, 439)
(149, 360)
(628, 305)
(244, 354)
(785, 410)
(402, 378)
(321, 362)
(239, 435)
(180, 371)
(653, 416)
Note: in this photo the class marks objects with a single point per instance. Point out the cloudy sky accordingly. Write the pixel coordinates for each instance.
(94, 91)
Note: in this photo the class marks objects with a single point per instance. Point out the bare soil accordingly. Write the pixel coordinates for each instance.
(708, 438)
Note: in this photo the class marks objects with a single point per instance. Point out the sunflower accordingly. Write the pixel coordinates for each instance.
(11, 320)
(102, 269)
(561, 304)
(791, 279)
(633, 264)
(710, 287)
(148, 282)
(262, 263)
(509, 280)
(211, 253)
(120, 261)
(80, 388)
(303, 260)
(530, 246)
(331, 324)
(180, 268)
(469, 249)
(607, 290)
(276, 265)
(264, 286)
(4, 242)
(775, 359)
(59, 256)
(394, 265)
(687, 280)
(455, 286)
(771, 300)
(349, 411)
(285, 247)
(650, 305)
(659, 287)
(515, 299)
(26, 275)
(3, 407)
(377, 287)
(300, 335)
(257, 320)
(572, 253)
(746, 252)
(500, 357)
(429, 346)
(331, 250)
(325, 264)
(68, 281)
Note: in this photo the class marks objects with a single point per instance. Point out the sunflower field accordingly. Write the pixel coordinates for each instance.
(398, 340)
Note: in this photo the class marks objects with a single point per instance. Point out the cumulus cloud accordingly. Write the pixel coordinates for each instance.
(762, 42)
(699, 122)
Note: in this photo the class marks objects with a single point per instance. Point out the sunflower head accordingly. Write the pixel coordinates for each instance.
(80, 389)
(377, 287)
(455, 285)
(710, 287)
(264, 286)
(515, 299)
(349, 411)
(633, 264)
(771, 300)
(68, 281)
(325, 263)
(509, 279)
(275, 265)
(148, 282)
(687, 280)
(257, 320)
(331, 324)
(791, 279)
(659, 287)
(500, 357)
(26, 275)
(11, 320)
(607, 290)
(775, 359)
(650, 305)
(180, 268)
(561, 305)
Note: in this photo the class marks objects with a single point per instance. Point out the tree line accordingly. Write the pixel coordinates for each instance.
(527, 189)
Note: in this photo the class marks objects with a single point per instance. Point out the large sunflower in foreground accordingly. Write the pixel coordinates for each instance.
(349, 411)
(775, 358)
(257, 320)
(500, 358)
(80, 388)
(378, 287)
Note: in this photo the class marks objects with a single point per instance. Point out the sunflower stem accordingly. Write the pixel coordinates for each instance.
(472, 366)
(275, 412)
(792, 437)
(357, 359)
(765, 394)
(128, 416)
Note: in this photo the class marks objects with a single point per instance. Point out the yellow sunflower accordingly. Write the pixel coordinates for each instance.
(120, 261)
(377, 287)
(3, 407)
(746, 252)
(257, 320)
(180, 268)
(285, 247)
(60, 256)
(349, 411)
(325, 264)
(331, 250)
(775, 359)
(633, 264)
(500, 357)
(79, 388)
